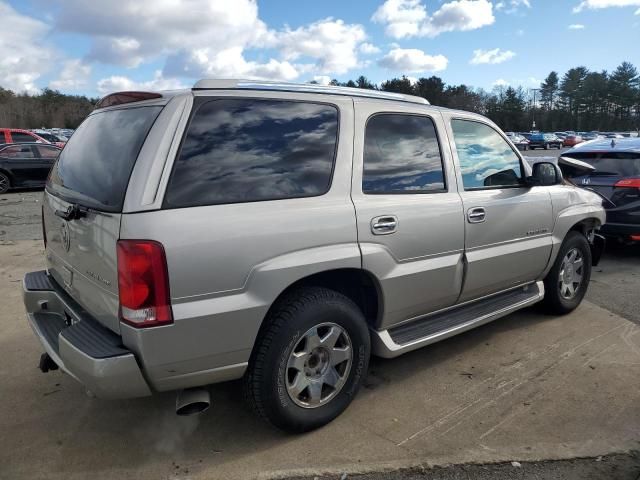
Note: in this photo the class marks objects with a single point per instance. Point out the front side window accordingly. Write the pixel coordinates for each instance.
(486, 159)
(19, 137)
(48, 152)
(247, 150)
(401, 155)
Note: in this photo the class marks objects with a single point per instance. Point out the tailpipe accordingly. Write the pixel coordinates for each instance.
(192, 401)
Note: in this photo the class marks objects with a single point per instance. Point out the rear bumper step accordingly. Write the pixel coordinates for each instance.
(438, 326)
(89, 352)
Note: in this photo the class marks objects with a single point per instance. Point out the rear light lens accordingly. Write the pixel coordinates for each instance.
(143, 284)
(44, 230)
(628, 183)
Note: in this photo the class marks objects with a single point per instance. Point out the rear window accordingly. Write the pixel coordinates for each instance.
(94, 167)
(625, 164)
(248, 150)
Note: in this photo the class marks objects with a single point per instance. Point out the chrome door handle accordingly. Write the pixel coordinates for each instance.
(384, 225)
(476, 215)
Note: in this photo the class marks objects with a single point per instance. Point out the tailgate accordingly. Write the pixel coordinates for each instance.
(81, 257)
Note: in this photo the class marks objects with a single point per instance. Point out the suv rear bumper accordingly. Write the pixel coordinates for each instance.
(78, 344)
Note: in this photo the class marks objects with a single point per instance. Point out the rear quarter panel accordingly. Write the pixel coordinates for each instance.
(228, 263)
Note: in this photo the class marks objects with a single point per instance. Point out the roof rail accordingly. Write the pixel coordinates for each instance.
(225, 84)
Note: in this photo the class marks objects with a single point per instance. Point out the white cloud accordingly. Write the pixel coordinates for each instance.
(512, 6)
(74, 75)
(227, 63)
(637, 12)
(332, 43)
(117, 83)
(322, 79)
(491, 57)
(576, 26)
(402, 17)
(501, 82)
(597, 4)
(211, 37)
(409, 18)
(369, 49)
(413, 60)
(25, 56)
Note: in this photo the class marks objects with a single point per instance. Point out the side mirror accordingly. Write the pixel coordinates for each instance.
(544, 174)
(572, 167)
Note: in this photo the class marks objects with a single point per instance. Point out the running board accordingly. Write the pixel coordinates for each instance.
(440, 325)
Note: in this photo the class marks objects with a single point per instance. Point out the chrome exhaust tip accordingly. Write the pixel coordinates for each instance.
(192, 401)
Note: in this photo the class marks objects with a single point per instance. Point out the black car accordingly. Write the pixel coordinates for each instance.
(616, 178)
(25, 164)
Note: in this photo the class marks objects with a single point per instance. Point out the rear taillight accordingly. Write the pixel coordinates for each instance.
(628, 183)
(143, 284)
(44, 230)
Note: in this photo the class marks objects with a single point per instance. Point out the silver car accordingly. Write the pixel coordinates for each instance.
(283, 233)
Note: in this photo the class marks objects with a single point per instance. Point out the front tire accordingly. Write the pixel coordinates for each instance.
(309, 360)
(567, 281)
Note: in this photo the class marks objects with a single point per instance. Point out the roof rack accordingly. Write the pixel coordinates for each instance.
(225, 84)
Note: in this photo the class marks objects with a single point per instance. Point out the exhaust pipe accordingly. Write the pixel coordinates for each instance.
(192, 401)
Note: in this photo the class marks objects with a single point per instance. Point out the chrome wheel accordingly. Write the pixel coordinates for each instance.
(319, 365)
(571, 274)
(4, 183)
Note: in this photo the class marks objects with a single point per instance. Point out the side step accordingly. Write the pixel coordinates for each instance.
(440, 325)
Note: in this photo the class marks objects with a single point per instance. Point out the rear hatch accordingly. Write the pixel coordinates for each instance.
(610, 180)
(83, 203)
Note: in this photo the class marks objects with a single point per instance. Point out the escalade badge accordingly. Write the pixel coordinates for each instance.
(65, 236)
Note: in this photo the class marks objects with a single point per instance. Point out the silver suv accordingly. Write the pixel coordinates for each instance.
(282, 234)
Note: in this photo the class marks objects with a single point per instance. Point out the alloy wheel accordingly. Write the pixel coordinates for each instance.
(319, 365)
(571, 274)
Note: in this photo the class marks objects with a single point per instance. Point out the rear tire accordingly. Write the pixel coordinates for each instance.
(567, 281)
(309, 360)
(5, 183)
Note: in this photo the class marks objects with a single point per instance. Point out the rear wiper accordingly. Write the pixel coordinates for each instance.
(597, 173)
(72, 212)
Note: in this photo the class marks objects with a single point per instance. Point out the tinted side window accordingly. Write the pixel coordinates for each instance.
(19, 137)
(47, 152)
(401, 155)
(486, 159)
(246, 150)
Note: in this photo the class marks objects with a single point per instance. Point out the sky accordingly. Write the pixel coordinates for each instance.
(94, 47)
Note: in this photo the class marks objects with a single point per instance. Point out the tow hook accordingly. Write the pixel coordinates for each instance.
(47, 363)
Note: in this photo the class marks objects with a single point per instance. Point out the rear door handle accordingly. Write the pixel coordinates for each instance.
(476, 215)
(384, 225)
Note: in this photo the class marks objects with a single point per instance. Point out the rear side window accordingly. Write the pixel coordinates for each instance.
(247, 150)
(624, 164)
(94, 167)
(401, 155)
(47, 152)
(486, 159)
(19, 137)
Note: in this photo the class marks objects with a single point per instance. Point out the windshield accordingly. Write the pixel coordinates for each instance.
(624, 164)
(95, 165)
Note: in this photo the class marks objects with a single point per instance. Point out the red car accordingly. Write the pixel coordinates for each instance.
(17, 135)
(572, 140)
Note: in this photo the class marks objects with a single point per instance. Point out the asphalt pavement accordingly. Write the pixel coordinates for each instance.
(558, 395)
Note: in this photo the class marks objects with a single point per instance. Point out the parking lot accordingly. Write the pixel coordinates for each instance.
(527, 387)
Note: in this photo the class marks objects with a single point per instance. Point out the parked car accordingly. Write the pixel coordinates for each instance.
(18, 135)
(614, 135)
(544, 140)
(520, 142)
(234, 230)
(591, 136)
(25, 164)
(572, 140)
(615, 177)
(57, 140)
(561, 135)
